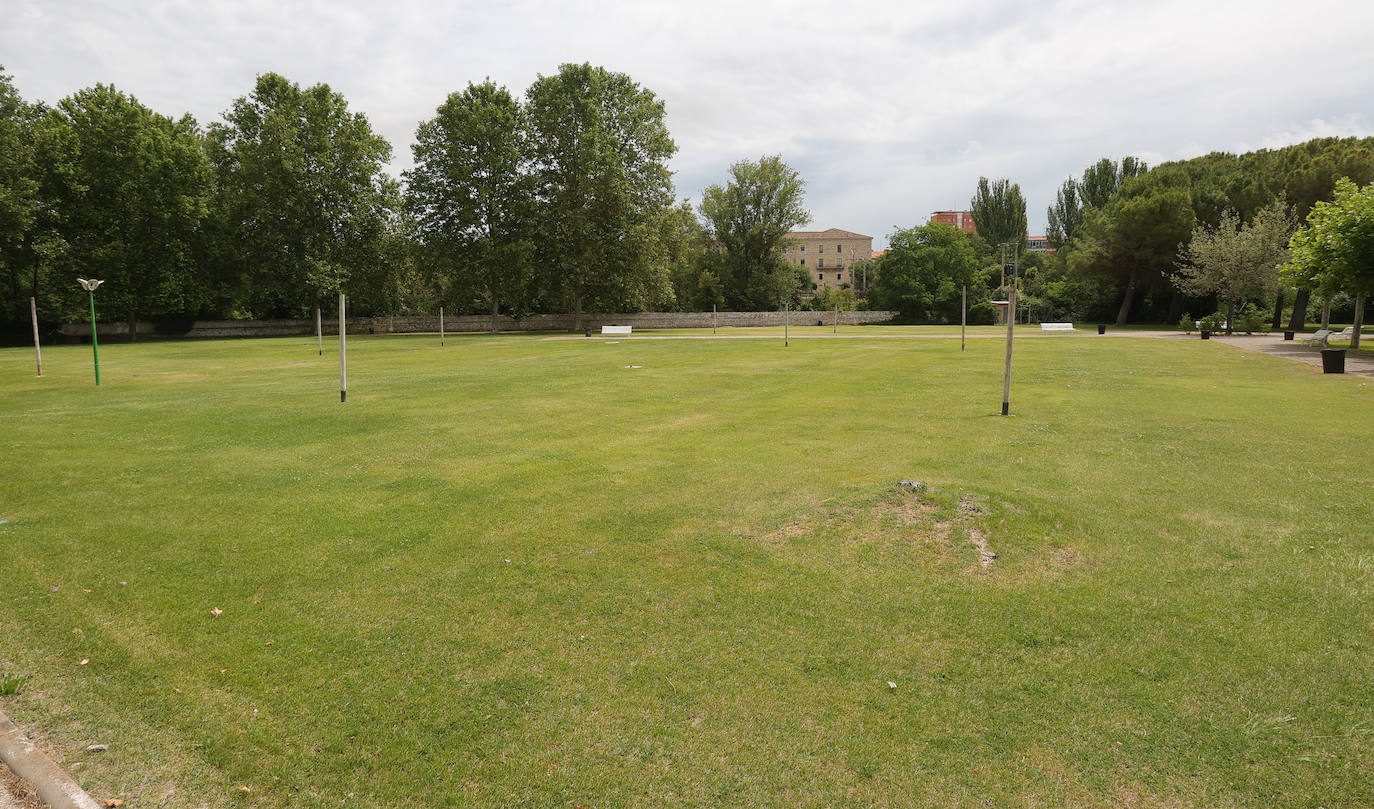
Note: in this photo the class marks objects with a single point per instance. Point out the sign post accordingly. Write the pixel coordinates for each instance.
(343, 354)
(38, 352)
(1011, 325)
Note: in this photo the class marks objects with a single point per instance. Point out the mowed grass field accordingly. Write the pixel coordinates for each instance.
(517, 571)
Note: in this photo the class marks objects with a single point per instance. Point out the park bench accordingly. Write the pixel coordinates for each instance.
(1318, 338)
(616, 329)
(1056, 327)
(1344, 335)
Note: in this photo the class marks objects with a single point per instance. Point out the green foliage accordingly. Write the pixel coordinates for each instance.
(1186, 324)
(302, 191)
(12, 684)
(828, 299)
(1099, 184)
(472, 198)
(600, 148)
(999, 211)
(128, 193)
(1335, 251)
(1215, 322)
(1251, 320)
(1134, 238)
(923, 275)
(750, 217)
(1237, 261)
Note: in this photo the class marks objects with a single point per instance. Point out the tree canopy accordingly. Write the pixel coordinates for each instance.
(471, 194)
(600, 152)
(923, 274)
(999, 211)
(1335, 251)
(1237, 261)
(301, 182)
(750, 217)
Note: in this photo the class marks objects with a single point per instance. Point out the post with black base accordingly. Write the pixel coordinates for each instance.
(343, 354)
(1011, 324)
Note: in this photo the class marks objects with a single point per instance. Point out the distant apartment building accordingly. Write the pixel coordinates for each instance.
(1039, 244)
(962, 220)
(829, 255)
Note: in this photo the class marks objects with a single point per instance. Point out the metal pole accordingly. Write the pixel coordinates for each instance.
(1011, 330)
(343, 354)
(95, 340)
(319, 331)
(441, 327)
(38, 352)
(963, 319)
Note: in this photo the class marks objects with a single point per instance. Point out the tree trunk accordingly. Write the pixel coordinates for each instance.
(495, 315)
(133, 324)
(1359, 321)
(1126, 300)
(1278, 311)
(1326, 310)
(1298, 321)
(1230, 315)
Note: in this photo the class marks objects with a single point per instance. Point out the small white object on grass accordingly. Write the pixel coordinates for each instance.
(891, 684)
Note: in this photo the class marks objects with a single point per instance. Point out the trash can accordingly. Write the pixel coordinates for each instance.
(1288, 335)
(589, 332)
(1206, 335)
(1101, 328)
(820, 322)
(1333, 360)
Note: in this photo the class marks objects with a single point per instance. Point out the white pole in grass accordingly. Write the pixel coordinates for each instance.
(343, 354)
(786, 320)
(441, 327)
(963, 318)
(713, 318)
(319, 331)
(837, 317)
(1011, 329)
(38, 352)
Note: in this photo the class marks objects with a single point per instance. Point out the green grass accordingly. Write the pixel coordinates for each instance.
(515, 572)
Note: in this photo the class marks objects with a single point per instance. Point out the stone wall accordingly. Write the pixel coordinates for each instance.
(476, 323)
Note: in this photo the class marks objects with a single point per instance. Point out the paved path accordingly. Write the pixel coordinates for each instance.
(1360, 362)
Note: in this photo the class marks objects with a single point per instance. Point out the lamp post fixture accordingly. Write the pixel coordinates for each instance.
(90, 287)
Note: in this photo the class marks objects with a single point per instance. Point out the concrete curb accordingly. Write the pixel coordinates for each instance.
(54, 787)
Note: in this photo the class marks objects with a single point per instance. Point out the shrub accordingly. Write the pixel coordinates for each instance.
(1185, 324)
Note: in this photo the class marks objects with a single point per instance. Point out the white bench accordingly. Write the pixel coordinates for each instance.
(616, 329)
(1318, 338)
(1056, 327)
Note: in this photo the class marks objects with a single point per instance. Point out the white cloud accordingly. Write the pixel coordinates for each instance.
(891, 109)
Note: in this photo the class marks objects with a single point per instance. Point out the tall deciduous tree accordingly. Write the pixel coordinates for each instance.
(128, 188)
(1335, 251)
(750, 216)
(924, 273)
(600, 149)
(1099, 184)
(999, 211)
(303, 193)
(19, 202)
(471, 195)
(1135, 238)
(1237, 261)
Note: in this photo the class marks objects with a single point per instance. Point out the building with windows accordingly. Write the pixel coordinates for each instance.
(1039, 244)
(828, 254)
(962, 220)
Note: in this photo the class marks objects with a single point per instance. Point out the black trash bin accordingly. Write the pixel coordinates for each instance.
(1101, 328)
(1333, 360)
(589, 332)
(1206, 335)
(1288, 335)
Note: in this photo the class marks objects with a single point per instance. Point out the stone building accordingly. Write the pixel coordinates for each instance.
(828, 254)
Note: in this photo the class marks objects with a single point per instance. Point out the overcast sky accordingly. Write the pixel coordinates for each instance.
(890, 110)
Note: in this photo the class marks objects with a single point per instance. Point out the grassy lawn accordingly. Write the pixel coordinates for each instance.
(518, 572)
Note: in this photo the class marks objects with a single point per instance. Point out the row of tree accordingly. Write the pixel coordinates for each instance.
(561, 200)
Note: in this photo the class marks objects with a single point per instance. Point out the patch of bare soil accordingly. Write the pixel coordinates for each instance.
(15, 792)
(970, 506)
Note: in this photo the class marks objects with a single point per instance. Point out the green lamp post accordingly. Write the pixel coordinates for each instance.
(90, 287)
